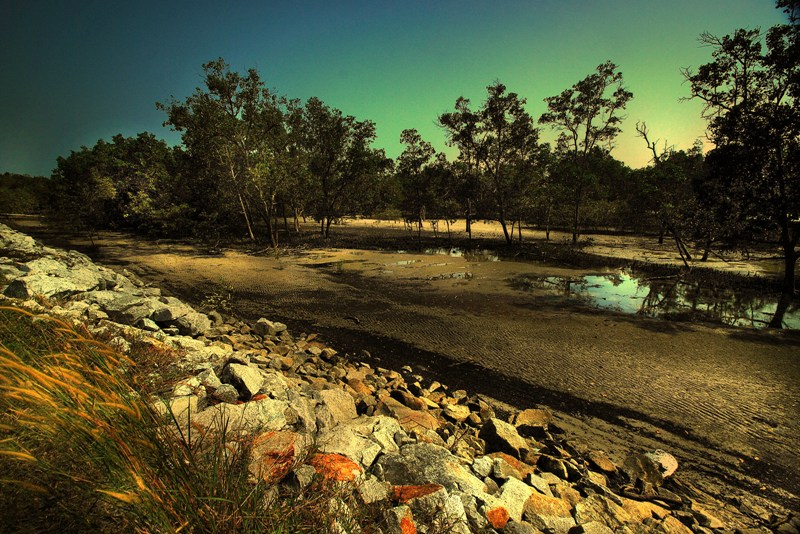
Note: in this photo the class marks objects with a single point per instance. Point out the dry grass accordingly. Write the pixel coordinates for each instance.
(81, 451)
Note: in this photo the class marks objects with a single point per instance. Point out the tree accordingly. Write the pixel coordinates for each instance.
(500, 140)
(752, 105)
(340, 160)
(415, 185)
(587, 117)
(461, 128)
(237, 125)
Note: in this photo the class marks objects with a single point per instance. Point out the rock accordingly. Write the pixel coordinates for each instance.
(532, 418)
(639, 467)
(246, 379)
(514, 494)
(553, 465)
(335, 467)
(539, 483)
(264, 327)
(30, 286)
(497, 516)
(400, 520)
(345, 439)
(483, 466)
(273, 454)
(520, 527)
(372, 490)
(600, 460)
(601, 509)
(424, 463)
(226, 393)
(338, 407)
(405, 494)
(548, 513)
(301, 477)
(265, 414)
(456, 412)
(503, 437)
(17, 244)
(408, 400)
(666, 463)
(209, 378)
(593, 527)
(671, 525)
(410, 420)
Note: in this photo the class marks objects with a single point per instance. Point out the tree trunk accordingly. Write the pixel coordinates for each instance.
(576, 220)
(296, 221)
(789, 238)
(246, 217)
(661, 233)
(519, 230)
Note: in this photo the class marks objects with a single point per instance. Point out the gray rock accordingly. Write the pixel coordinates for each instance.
(424, 463)
(265, 327)
(209, 378)
(261, 415)
(639, 467)
(666, 463)
(514, 494)
(16, 244)
(483, 466)
(226, 393)
(597, 508)
(247, 380)
(549, 513)
(503, 437)
(338, 403)
(345, 439)
(372, 490)
(520, 527)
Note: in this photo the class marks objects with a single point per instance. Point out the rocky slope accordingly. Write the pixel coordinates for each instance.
(458, 460)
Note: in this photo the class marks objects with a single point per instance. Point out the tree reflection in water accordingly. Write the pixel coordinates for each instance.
(673, 297)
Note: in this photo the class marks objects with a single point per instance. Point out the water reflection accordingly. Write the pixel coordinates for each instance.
(469, 255)
(671, 297)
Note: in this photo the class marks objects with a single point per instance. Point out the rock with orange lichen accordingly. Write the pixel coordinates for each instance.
(400, 520)
(335, 467)
(403, 494)
(497, 516)
(273, 454)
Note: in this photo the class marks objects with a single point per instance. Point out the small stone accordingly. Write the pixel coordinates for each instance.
(226, 393)
(600, 460)
(503, 437)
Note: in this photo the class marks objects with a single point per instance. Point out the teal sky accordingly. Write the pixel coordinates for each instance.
(76, 72)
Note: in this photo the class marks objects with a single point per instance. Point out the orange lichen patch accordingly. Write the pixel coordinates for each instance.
(523, 468)
(404, 494)
(258, 397)
(335, 467)
(273, 455)
(498, 517)
(407, 525)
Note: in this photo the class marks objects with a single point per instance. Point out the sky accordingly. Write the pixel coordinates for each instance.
(74, 72)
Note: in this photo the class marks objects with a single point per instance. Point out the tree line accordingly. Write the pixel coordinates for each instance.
(253, 163)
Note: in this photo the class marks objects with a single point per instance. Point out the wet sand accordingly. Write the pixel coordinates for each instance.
(724, 401)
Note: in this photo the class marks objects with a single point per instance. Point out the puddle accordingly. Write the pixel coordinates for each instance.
(671, 298)
(472, 256)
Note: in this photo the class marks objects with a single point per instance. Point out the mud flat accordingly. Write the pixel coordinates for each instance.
(724, 400)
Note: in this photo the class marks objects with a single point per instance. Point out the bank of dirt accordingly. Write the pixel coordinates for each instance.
(725, 401)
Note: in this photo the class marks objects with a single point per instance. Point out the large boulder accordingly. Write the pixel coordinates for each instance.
(425, 463)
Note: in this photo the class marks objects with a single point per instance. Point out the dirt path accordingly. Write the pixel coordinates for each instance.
(726, 402)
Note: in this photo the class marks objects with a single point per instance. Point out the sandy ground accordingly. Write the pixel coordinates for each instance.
(725, 402)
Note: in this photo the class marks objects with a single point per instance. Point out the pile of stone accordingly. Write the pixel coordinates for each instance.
(436, 459)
